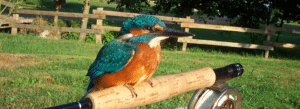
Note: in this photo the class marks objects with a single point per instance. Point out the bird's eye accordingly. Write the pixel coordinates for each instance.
(149, 28)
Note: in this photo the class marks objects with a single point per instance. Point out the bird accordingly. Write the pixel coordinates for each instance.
(133, 57)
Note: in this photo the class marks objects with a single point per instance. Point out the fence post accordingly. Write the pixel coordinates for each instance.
(99, 22)
(15, 30)
(84, 20)
(55, 19)
(56, 7)
(186, 30)
(269, 34)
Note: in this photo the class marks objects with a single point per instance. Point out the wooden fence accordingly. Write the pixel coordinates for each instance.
(269, 30)
(185, 23)
(8, 4)
(100, 11)
(15, 25)
(189, 23)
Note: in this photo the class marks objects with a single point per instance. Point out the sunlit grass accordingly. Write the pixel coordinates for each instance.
(54, 74)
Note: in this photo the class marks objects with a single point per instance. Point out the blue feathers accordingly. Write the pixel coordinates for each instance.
(139, 22)
(146, 38)
(111, 58)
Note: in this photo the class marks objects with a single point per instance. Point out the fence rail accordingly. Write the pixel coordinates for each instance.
(226, 44)
(4, 17)
(15, 24)
(64, 14)
(8, 4)
(225, 28)
(285, 45)
(111, 28)
(127, 14)
(63, 29)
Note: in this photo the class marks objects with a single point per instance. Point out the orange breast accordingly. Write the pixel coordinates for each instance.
(141, 67)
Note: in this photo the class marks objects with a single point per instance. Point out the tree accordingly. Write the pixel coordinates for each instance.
(249, 13)
(181, 8)
(285, 10)
(131, 5)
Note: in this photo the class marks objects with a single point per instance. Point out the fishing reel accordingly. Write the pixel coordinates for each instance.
(219, 96)
(228, 98)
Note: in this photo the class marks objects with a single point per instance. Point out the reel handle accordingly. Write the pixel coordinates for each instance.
(228, 72)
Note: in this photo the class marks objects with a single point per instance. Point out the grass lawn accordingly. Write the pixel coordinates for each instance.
(39, 73)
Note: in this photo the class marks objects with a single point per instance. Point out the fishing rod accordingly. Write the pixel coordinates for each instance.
(164, 87)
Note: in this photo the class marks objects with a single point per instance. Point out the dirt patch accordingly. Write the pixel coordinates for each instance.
(195, 62)
(35, 88)
(48, 78)
(52, 86)
(16, 60)
(9, 91)
(2, 79)
(30, 89)
(271, 59)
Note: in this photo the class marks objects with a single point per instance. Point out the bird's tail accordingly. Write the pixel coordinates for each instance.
(89, 88)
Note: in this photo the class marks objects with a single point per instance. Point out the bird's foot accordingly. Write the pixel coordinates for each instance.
(134, 95)
(149, 82)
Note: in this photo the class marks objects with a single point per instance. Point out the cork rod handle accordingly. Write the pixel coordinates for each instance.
(164, 87)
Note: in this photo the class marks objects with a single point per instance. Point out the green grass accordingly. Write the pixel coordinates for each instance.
(52, 72)
(48, 72)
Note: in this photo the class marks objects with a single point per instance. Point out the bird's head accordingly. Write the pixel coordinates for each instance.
(147, 29)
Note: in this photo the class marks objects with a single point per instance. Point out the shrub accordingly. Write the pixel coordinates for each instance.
(70, 36)
(91, 38)
(109, 36)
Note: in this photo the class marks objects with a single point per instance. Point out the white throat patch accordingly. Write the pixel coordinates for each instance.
(124, 37)
(156, 41)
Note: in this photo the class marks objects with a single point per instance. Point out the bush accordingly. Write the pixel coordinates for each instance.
(91, 38)
(109, 36)
(70, 36)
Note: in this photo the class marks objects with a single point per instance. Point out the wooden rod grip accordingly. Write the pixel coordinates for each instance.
(164, 87)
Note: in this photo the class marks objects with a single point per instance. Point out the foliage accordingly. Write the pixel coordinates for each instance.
(70, 36)
(73, 23)
(254, 13)
(108, 36)
(36, 21)
(249, 13)
(35, 2)
(131, 5)
(41, 21)
(91, 38)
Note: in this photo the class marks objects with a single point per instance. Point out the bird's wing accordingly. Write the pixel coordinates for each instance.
(111, 58)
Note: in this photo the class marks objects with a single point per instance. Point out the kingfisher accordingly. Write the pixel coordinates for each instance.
(132, 57)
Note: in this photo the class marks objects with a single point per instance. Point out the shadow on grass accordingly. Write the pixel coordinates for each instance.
(278, 53)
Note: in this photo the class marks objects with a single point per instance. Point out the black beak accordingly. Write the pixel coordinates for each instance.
(173, 33)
